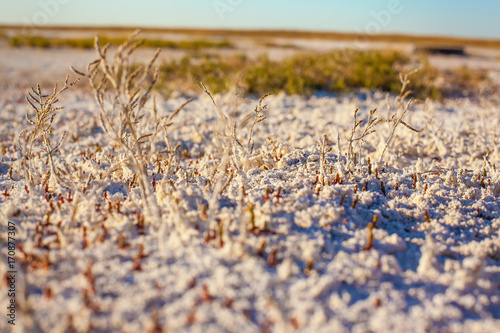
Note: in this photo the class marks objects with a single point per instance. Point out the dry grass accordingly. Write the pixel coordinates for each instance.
(122, 92)
(37, 138)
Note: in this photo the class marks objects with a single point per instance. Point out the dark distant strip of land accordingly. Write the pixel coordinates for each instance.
(398, 38)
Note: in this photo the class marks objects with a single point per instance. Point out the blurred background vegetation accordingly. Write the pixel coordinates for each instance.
(303, 72)
(340, 71)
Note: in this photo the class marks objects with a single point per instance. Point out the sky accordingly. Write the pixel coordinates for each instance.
(462, 18)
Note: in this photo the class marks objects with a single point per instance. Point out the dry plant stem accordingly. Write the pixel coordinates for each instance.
(165, 124)
(351, 155)
(221, 114)
(354, 144)
(228, 181)
(339, 148)
(217, 190)
(242, 217)
(350, 149)
(396, 123)
(258, 118)
(400, 104)
(240, 156)
(403, 93)
(369, 129)
(323, 151)
(120, 93)
(45, 112)
(229, 132)
(230, 128)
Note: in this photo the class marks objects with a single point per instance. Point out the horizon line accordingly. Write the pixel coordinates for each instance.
(282, 32)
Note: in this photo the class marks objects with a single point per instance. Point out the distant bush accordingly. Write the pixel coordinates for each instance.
(41, 42)
(338, 71)
(88, 43)
(187, 44)
(217, 73)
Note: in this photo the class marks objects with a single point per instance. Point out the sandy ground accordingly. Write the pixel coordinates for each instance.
(284, 238)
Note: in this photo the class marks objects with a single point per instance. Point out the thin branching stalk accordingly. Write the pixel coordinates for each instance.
(45, 112)
(369, 129)
(350, 150)
(404, 93)
(324, 149)
(257, 119)
(122, 92)
(241, 157)
(396, 122)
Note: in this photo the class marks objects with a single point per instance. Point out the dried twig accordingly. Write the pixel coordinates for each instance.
(258, 118)
(122, 93)
(45, 112)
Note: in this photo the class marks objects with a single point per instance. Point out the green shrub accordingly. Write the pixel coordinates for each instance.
(339, 71)
(18, 41)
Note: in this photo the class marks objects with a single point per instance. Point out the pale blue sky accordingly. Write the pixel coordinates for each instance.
(480, 18)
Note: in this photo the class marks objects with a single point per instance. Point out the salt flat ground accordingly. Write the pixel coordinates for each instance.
(284, 244)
